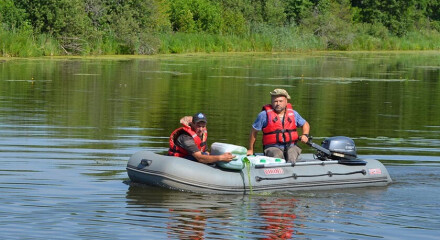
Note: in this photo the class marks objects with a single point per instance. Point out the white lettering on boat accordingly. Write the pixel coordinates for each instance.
(273, 171)
(374, 171)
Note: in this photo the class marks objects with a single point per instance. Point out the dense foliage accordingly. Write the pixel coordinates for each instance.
(54, 27)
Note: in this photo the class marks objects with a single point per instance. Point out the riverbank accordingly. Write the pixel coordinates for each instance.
(224, 54)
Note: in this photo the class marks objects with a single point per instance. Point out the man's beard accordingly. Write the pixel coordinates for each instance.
(278, 109)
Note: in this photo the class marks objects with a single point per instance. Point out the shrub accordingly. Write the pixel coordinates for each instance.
(195, 16)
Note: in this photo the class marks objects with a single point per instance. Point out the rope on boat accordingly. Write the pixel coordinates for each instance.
(295, 176)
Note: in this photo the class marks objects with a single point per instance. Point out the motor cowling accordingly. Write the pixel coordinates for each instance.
(342, 148)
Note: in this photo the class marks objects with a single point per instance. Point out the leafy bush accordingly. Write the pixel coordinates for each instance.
(195, 16)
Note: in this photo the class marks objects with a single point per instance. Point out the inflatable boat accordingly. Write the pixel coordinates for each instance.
(335, 165)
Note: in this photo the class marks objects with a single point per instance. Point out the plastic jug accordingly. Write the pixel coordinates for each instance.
(220, 148)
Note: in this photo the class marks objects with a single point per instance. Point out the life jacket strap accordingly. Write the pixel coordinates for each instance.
(280, 134)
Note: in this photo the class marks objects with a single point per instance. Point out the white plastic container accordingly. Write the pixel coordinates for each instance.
(240, 156)
(239, 152)
(265, 160)
(220, 148)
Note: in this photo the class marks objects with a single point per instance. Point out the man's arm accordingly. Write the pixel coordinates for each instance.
(252, 138)
(305, 130)
(257, 126)
(186, 121)
(225, 157)
(187, 142)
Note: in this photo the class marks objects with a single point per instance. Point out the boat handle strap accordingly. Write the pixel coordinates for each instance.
(295, 176)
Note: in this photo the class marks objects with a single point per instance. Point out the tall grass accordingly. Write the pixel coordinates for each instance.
(264, 39)
(47, 45)
(416, 40)
(17, 43)
(107, 45)
(201, 42)
(24, 43)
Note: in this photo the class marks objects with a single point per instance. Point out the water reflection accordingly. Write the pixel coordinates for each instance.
(288, 215)
(187, 223)
(185, 215)
(279, 216)
(199, 216)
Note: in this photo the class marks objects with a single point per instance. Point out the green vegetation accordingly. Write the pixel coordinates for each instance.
(97, 27)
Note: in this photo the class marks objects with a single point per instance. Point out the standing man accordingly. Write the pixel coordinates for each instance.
(279, 123)
(189, 141)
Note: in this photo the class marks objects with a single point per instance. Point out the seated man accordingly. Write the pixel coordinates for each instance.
(189, 141)
(279, 123)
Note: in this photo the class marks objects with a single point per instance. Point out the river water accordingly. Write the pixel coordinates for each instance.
(68, 127)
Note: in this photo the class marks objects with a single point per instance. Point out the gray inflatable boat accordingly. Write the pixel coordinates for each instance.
(334, 166)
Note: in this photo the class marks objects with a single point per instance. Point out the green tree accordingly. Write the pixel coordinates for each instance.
(11, 16)
(296, 10)
(233, 22)
(195, 16)
(429, 10)
(264, 11)
(331, 20)
(397, 15)
(273, 12)
(64, 19)
(57, 17)
(132, 24)
(237, 15)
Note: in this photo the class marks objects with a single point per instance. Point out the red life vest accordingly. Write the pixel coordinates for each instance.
(181, 152)
(278, 131)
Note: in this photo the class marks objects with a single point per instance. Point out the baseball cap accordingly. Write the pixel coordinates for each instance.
(280, 92)
(199, 117)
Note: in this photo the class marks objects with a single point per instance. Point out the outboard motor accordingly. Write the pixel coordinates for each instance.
(340, 147)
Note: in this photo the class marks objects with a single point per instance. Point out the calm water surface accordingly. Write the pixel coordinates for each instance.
(68, 127)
